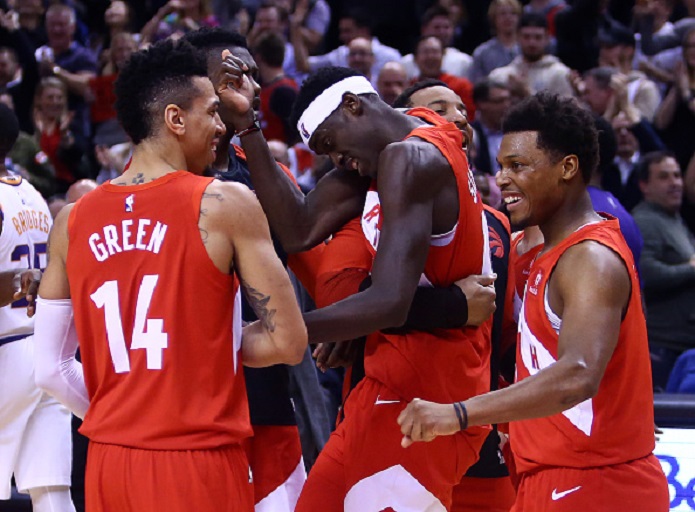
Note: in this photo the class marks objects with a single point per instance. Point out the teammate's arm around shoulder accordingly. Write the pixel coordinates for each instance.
(279, 336)
(57, 371)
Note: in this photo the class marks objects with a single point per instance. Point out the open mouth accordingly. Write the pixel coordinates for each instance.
(511, 200)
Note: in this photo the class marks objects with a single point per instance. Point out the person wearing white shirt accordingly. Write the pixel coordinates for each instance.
(436, 22)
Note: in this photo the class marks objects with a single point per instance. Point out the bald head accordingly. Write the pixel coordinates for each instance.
(78, 189)
(391, 82)
(360, 55)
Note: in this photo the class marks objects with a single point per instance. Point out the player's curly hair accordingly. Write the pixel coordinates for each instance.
(404, 101)
(563, 127)
(9, 129)
(210, 38)
(154, 78)
(315, 85)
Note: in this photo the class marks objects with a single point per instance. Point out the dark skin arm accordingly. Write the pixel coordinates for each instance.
(410, 176)
(583, 352)
(19, 284)
(300, 222)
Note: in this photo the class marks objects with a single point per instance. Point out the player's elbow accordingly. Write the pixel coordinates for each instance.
(393, 311)
(294, 345)
(580, 384)
(46, 379)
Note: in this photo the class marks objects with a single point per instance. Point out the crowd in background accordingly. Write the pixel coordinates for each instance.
(631, 63)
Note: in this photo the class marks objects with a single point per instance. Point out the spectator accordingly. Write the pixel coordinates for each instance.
(101, 97)
(314, 16)
(577, 28)
(682, 378)
(391, 81)
(278, 91)
(547, 8)
(675, 118)
(30, 21)
(78, 189)
(603, 200)
(656, 32)
(617, 50)
(501, 49)
(28, 160)
(361, 57)
(535, 70)
(351, 25)
(68, 61)
(176, 18)
(272, 18)
(437, 22)
(667, 263)
(64, 147)
(118, 20)
(428, 57)
(19, 72)
(622, 180)
(493, 101)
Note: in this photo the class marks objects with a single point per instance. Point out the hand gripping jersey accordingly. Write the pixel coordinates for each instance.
(443, 365)
(159, 325)
(26, 223)
(616, 425)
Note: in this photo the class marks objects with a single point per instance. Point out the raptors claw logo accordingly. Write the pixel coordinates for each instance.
(496, 245)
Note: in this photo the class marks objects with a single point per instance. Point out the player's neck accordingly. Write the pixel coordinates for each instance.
(150, 162)
(574, 213)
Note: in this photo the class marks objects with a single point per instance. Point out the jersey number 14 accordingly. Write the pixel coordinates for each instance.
(147, 334)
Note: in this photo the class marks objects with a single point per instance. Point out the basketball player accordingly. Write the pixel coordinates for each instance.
(430, 222)
(582, 410)
(149, 264)
(34, 428)
(274, 451)
(486, 485)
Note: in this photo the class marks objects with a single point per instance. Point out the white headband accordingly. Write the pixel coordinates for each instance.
(329, 100)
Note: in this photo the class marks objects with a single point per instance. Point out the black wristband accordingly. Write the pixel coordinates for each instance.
(465, 415)
(254, 127)
(461, 414)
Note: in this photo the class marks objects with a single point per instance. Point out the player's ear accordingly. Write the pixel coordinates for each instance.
(570, 167)
(352, 103)
(174, 119)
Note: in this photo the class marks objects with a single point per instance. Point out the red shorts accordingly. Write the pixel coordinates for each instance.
(129, 479)
(275, 456)
(483, 495)
(637, 486)
(364, 467)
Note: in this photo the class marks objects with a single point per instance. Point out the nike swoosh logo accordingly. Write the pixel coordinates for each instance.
(557, 495)
(381, 402)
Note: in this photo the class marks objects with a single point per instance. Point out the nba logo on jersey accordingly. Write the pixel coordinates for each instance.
(129, 203)
(534, 287)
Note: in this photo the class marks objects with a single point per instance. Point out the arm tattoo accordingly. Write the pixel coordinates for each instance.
(203, 235)
(139, 178)
(259, 303)
(207, 195)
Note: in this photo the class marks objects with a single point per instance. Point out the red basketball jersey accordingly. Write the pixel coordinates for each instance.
(616, 425)
(443, 365)
(159, 325)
